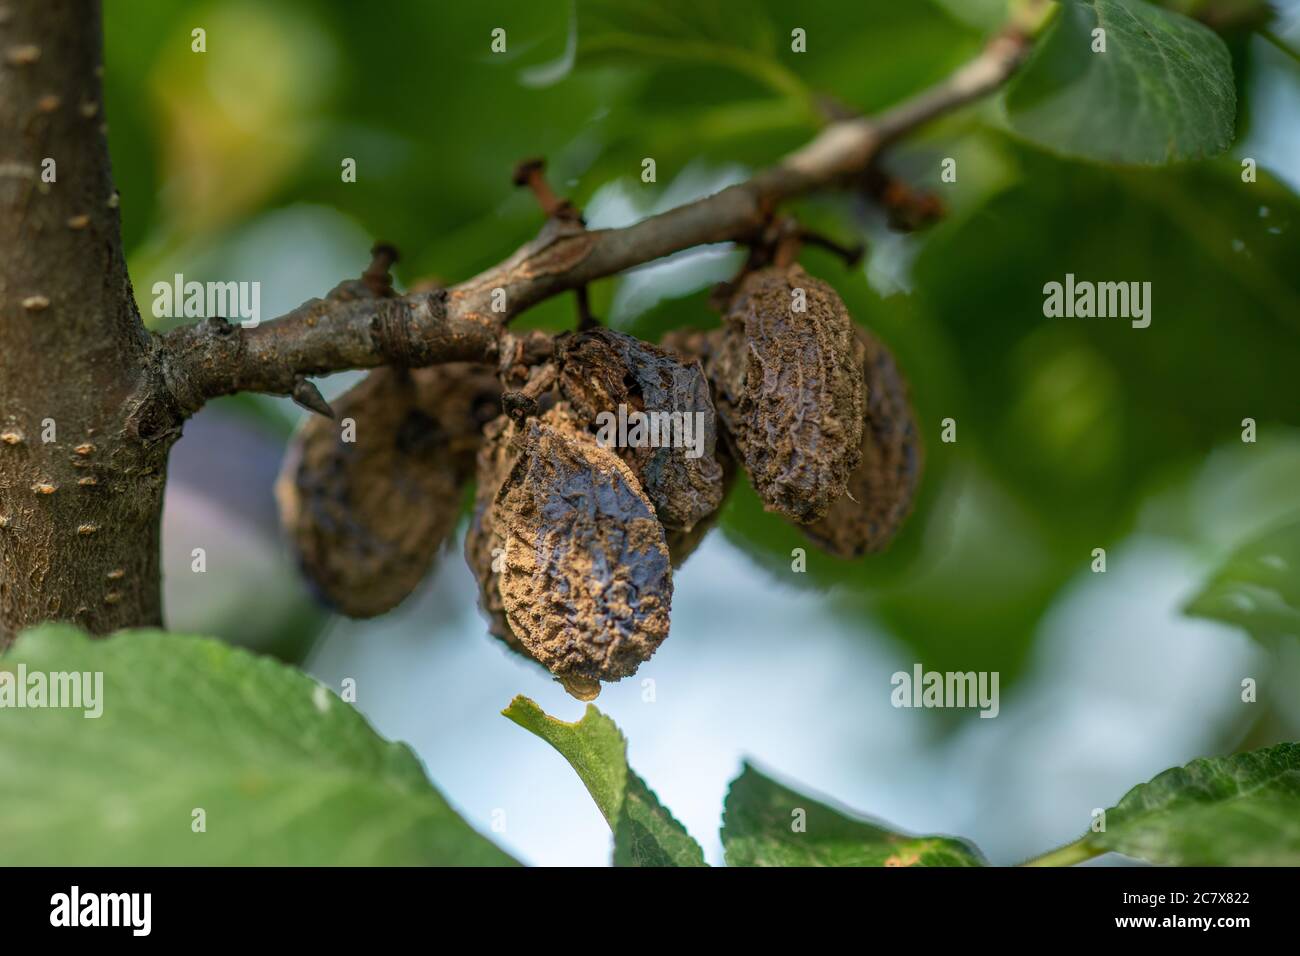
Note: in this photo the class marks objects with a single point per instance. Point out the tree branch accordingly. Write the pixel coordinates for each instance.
(213, 357)
(466, 321)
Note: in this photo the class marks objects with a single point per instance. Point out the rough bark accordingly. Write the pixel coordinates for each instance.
(82, 461)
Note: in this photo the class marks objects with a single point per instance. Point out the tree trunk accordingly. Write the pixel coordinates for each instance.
(83, 438)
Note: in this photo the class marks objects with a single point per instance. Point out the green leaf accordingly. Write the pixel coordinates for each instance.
(1242, 810)
(284, 771)
(645, 833)
(726, 33)
(1048, 405)
(985, 14)
(1162, 90)
(1258, 589)
(766, 824)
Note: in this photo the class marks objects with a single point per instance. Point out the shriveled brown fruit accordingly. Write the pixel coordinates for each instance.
(366, 517)
(586, 581)
(692, 345)
(883, 487)
(600, 370)
(682, 544)
(461, 398)
(788, 386)
(484, 548)
(696, 345)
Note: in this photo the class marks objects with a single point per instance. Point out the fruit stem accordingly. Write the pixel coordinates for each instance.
(1067, 855)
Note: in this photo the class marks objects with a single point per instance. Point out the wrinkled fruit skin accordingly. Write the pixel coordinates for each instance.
(789, 388)
(496, 459)
(483, 546)
(601, 369)
(366, 518)
(882, 488)
(692, 346)
(682, 543)
(587, 580)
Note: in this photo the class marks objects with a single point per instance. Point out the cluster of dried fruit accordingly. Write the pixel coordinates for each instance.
(574, 537)
(368, 497)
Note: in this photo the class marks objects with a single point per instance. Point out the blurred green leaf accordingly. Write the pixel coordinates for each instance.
(1240, 491)
(766, 824)
(1066, 424)
(1161, 90)
(871, 53)
(238, 120)
(645, 833)
(1225, 16)
(985, 14)
(285, 772)
(1258, 589)
(1242, 810)
(734, 34)
(1080, 416)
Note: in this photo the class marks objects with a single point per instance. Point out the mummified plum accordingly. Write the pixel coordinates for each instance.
(366, 504)
(683, 543)
(882, 488)
(484, 548)
(692, 345)
(586, 580)
(671, 425)
(788, 386)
